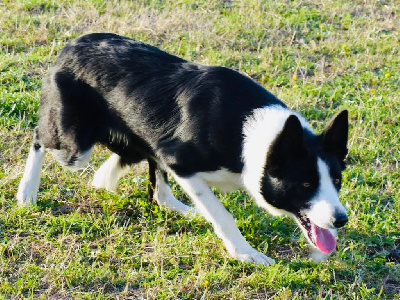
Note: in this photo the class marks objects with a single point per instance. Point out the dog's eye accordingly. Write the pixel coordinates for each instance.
(337, 181)
(306, 184)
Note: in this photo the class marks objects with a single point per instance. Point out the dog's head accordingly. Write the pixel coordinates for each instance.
(64, 146)
(66, 123)
(302, 177)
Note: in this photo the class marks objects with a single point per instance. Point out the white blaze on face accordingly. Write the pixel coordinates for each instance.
(325, 204)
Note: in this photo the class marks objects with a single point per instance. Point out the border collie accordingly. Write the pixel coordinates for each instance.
(204, 125)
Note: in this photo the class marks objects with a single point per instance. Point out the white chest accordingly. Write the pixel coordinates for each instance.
(222, 179)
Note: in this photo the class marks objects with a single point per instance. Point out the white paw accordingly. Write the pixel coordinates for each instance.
(165, 198)
(27, 193)
(179, 207)
(253, 256)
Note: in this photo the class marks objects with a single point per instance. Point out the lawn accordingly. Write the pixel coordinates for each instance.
(317, 56)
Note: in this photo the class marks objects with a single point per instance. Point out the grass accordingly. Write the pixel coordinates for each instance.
(317, 56)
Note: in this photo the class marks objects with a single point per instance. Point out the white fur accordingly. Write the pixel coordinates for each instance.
(29, 185)
(223, 179)
(223, 222)
(108, 175)
(260, 130)
(326, 202)
(164, 197)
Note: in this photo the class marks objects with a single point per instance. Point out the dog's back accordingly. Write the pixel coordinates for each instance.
(135, 98)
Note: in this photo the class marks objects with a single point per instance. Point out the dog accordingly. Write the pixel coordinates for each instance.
(204, 125)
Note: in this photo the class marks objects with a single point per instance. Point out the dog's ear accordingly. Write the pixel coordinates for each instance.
(335, 135)
(287, 145)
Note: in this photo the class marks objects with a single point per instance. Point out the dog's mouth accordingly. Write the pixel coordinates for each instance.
(322, 238)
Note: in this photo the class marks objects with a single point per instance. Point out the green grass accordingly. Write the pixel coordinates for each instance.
(317, 56)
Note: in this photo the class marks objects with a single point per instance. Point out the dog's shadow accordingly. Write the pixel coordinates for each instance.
(278, 237)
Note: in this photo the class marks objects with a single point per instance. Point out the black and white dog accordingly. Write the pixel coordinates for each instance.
(205, 125)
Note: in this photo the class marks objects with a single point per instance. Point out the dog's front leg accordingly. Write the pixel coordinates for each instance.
(223, 222)
(29, 185)
(164, 196)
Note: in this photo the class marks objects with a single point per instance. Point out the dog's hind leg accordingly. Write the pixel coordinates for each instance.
(29, 184)
(115, 167)
(110, 172)
(152, 180)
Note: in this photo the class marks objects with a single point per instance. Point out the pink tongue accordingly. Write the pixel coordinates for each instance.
(324, 240)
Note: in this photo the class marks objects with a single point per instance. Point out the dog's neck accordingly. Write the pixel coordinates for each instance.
(259, 131)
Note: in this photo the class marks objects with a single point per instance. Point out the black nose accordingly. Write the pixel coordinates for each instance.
(340, 220)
